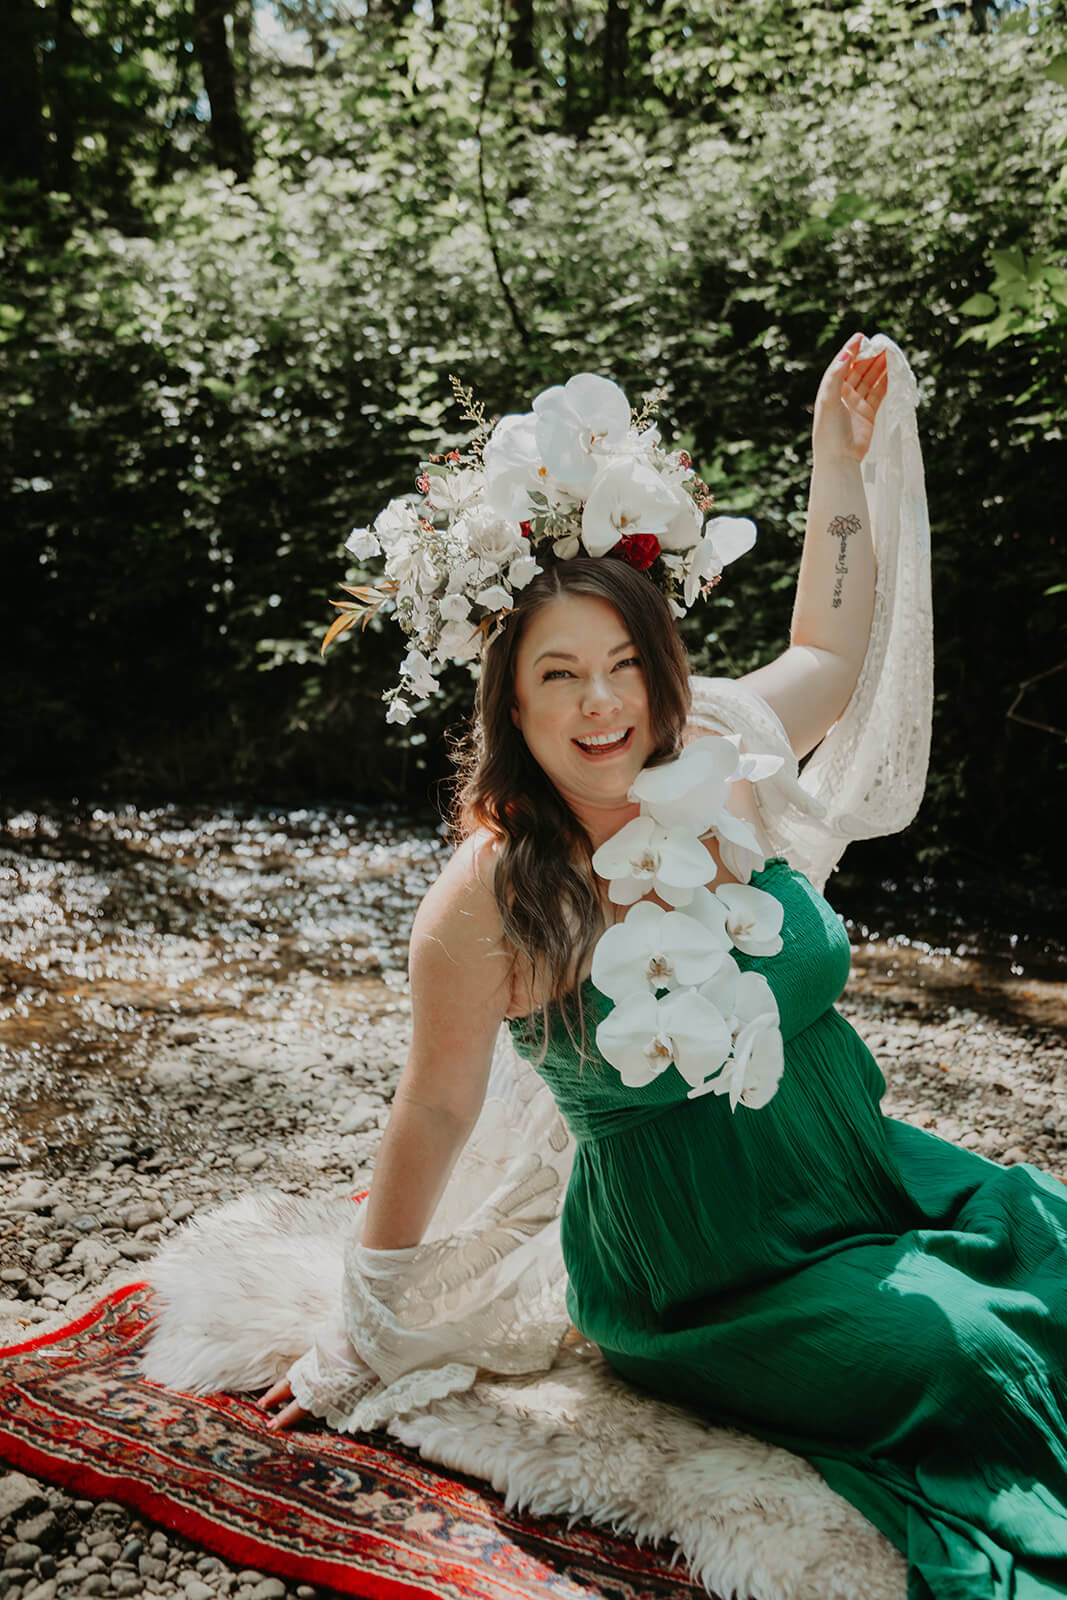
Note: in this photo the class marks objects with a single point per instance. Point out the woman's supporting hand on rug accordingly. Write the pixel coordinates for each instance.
(291, 1413)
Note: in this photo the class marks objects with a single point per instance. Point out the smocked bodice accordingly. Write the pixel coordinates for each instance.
(806, 977)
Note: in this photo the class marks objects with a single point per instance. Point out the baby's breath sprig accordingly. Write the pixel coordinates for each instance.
(474, 411)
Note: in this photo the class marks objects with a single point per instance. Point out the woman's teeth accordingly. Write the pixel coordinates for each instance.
(599, 743)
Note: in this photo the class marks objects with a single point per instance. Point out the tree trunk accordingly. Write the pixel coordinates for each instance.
(62, 105)
(520, 35)
(21, 127)
(615, 60)
(228, 138)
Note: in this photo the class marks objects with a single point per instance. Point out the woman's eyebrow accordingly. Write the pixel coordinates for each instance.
(561, 655)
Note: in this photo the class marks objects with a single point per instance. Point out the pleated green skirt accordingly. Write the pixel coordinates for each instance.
(887, 1305)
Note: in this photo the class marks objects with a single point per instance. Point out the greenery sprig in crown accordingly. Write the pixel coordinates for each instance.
(581, 474)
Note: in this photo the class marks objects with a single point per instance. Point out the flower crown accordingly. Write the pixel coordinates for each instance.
(580, 474)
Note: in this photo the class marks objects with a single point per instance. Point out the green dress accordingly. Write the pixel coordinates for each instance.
(887, 1305)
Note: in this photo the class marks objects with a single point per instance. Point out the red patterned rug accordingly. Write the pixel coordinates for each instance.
(361, 1514)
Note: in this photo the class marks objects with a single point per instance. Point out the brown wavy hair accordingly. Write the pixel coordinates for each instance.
(544, 884)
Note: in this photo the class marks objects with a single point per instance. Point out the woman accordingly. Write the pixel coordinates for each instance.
(798, 1266)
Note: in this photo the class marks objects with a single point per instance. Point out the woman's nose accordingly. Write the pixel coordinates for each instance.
(600, 694)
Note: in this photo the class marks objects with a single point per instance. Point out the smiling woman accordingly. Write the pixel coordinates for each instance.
(585, 686)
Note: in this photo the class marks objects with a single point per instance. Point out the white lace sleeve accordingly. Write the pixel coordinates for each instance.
(867, 776)
(484, 1291)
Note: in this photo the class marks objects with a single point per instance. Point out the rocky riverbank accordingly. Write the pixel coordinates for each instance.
(193, 1006)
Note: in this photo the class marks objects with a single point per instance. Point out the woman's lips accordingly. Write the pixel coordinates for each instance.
(601, 752)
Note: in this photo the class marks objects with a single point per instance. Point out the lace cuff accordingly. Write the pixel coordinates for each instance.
(332, 1382)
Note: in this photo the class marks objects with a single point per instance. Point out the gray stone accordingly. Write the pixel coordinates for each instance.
(132, 1550)
(108, 1552)
(43, 1530)
(18, 1493)
(46, 1567)
(158, 1544)
(96, 1583)
(140, 1215)
(14, 1275)
(197, 1589)
(136, 1249)
(86, 1223)
(127, 1586)
(269, 1589)
(181, 1210)
(151, 1567)
(250, 1160)
(42, 1591)
(60, 1289)
(21, 1554)
(306, 1592)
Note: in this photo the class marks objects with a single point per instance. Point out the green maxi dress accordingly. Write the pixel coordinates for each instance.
(887, 1305)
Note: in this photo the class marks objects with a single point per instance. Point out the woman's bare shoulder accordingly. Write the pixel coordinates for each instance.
(458, 923)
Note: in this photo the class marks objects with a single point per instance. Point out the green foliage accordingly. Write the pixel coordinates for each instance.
(205, 384)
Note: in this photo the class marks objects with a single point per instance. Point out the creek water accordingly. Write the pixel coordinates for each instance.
(118, 923)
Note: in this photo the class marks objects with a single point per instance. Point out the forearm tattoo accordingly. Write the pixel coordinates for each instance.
(842, 529)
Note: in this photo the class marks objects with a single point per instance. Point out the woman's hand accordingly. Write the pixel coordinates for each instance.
(282, 1394)
(847, 403)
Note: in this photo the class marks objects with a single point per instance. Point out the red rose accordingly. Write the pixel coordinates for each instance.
(638, 549)
(524, 529)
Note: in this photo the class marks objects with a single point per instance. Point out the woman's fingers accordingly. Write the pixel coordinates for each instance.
(274, 1396)
(287, 1418)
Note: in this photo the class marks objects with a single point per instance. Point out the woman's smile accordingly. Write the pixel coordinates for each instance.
(602, 746)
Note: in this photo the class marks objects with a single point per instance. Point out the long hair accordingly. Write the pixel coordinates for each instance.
(544, 883)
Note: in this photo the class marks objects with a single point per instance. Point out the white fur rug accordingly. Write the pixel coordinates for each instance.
(237, 1302)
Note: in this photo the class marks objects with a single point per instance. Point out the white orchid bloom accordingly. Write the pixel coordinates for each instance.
(690, 790)
(683, 530)
(643, 1035)
(643, 856)
(662, 949)
(755, 1070)
(721, 990)
(753, 918)
(628, 496)
(454, 491)
(511, 460)
(724, 539)
(693, 791)
(363, 544)
(578, 421)
(522, 570)
(459, 641)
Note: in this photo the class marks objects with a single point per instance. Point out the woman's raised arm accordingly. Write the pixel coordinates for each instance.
(460, 987)
(810, 684)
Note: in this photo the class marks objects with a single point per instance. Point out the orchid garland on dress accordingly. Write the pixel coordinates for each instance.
(580, 474)
(679, 995)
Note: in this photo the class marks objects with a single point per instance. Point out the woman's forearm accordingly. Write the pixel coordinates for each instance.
(419, 1148)
(835, 586)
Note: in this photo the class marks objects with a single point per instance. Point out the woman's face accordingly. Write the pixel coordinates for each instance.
(580, 700)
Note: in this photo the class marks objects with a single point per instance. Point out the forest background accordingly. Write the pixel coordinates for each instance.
(245, 245)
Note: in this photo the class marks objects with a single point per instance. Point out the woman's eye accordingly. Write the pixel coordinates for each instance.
(556, 672)
(631, 661)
